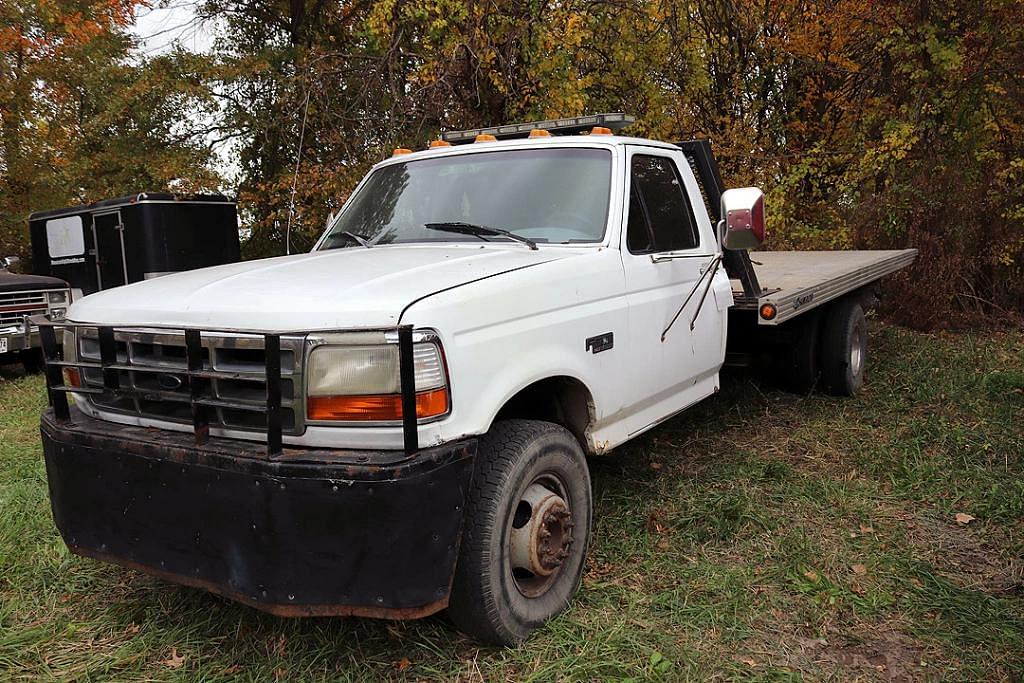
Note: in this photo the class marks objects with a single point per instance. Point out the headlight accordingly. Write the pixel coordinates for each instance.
(57, 313)
(360, 382)
(57, 298)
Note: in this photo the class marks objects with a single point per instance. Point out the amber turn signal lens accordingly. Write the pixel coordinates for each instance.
(385, 408)
(72, 377)
(600, 130)
(768, 311)
(484, 137)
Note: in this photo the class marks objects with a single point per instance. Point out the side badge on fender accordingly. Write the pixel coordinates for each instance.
(601, 342)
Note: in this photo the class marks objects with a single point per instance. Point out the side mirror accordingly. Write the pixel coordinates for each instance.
(742, 218)
(9, 261)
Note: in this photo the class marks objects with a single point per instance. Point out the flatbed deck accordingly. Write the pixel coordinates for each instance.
(798, 281)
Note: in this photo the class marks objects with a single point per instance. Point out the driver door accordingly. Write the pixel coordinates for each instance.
(665, 252)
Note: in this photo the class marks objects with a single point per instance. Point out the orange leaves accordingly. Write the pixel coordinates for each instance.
(963, 519)
(175, 661)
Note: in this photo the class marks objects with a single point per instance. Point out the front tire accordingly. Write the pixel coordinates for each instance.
(528, 517)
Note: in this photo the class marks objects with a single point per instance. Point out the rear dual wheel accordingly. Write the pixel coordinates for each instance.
(527, 525)
(844, 343)
(828, 350)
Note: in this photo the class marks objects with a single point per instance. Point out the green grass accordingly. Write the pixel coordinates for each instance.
(761, 535)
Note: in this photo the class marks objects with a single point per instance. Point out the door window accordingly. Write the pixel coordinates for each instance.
(660, 216)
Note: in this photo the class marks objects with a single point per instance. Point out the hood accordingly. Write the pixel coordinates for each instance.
(15, 282)
(337, 289)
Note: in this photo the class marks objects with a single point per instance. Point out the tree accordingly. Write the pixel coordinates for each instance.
(81, 120)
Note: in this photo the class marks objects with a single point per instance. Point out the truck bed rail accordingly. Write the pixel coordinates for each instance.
(798, 281)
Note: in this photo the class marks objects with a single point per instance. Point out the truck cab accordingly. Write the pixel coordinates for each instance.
(398, 422)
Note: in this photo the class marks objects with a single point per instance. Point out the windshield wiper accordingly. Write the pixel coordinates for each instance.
(479, 231)
(362, 241)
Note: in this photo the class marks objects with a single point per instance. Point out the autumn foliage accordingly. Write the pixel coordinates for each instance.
(870, 124)
(81, 119)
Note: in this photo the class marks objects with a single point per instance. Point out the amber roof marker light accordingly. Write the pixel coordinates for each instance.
(400, 151)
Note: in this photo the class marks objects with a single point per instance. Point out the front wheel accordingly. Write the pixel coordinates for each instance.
(527, 525)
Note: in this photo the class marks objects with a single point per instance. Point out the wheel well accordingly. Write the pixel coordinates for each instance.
(563, 400)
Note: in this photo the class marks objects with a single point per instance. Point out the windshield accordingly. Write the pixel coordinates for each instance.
(555, 196)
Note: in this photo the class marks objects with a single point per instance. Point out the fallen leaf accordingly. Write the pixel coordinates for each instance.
(233, 669)
(655, 465)
(654, 521)
(749, 661)
(916, 582)
(859, 569)
(175, 661)
(812, 575)
(865, 529)
(963, 519)
(403, 664)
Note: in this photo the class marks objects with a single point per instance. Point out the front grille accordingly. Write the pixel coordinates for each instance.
(237, 380)
(14, 306)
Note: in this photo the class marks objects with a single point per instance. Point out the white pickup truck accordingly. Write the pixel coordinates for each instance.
(397, 422)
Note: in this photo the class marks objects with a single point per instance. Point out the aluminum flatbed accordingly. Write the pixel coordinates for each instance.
(798, 281)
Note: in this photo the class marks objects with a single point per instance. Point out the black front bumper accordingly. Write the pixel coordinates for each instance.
(305, 532)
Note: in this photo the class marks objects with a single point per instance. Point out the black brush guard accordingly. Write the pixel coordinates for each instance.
(198, 379)
(291, 531)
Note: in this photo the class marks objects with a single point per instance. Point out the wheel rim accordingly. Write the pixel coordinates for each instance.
(541, 536)
(856, 355)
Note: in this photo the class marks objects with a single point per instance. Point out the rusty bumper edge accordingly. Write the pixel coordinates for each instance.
(276, 610)
(299, 536)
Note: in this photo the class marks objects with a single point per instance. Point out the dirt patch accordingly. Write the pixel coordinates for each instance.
(892, 656)
(972, 558)
(883, 653)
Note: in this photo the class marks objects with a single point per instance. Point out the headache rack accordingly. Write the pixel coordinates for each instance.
(197, 375)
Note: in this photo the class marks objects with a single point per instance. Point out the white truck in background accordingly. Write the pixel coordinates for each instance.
(397, 422)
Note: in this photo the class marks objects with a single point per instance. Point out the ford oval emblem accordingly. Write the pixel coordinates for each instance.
(169, 382)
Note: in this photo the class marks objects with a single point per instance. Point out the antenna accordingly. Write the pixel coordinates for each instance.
(295, 176)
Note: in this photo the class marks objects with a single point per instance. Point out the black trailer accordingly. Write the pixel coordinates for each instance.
(118, 241)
